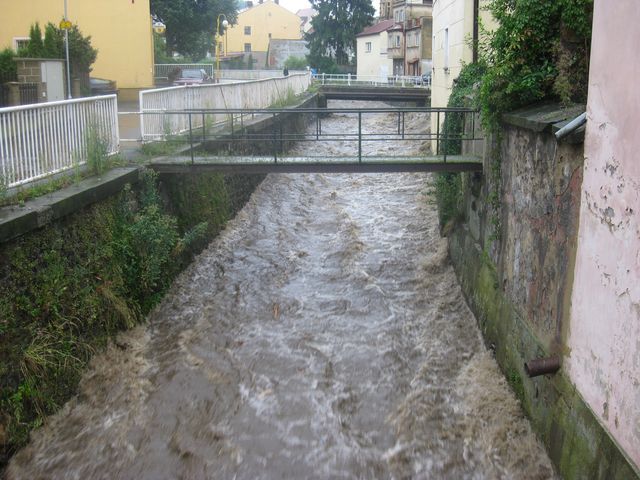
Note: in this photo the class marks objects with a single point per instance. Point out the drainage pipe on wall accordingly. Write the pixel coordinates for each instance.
(542, 366)
(571, 126)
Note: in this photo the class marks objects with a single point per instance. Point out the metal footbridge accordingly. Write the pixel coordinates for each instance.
(357, 140)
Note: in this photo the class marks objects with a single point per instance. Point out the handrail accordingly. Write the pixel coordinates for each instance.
(36, 106)
(262, 129)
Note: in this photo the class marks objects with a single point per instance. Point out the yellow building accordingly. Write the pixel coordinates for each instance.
(120, 31)
(258, 24)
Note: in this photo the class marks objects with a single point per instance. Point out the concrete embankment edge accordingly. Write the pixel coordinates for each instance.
(577, 444)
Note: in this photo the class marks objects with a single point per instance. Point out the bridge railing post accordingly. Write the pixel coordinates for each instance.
(274, 140)
(359, 137)
(438, 133)
(204, 128)
(446, 134)
(191, 139)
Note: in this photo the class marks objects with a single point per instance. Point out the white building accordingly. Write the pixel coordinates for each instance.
(371, 51)
(306, 14)
(455, 22)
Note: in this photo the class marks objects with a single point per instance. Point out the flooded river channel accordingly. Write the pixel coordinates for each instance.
(323, 335)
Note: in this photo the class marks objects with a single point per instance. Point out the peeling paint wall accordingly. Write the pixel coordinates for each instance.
(604, 331)
(541, 196)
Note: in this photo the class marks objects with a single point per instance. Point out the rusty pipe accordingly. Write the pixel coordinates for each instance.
(542, 366)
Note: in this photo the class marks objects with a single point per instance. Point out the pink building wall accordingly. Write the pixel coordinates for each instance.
(604, 336)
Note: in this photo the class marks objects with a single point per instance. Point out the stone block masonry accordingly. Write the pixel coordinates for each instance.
(519, 282)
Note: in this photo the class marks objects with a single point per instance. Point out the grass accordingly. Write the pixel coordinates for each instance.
(72, 176)
(67, 288)
(288, 99)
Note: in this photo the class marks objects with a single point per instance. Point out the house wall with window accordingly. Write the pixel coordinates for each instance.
(372, 51)
(260, 23)
(114, 28)
(452, 28)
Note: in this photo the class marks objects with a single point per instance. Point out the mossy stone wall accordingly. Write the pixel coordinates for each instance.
(69, 287)
(518, 284)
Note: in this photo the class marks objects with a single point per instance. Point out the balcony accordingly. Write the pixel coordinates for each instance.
(395, 52)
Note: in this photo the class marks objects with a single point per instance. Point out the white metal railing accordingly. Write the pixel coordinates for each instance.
(155, 125)
(376, 80)
(254, 74)
(162, 70)
(42, 139)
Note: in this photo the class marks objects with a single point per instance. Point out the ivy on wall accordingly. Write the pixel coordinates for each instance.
(539, 51)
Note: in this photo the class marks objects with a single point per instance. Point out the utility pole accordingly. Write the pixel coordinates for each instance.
(66, 50)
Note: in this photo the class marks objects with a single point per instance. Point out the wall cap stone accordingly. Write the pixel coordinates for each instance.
(18, 220)
(542, 117)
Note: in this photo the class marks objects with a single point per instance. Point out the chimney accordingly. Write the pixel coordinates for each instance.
(277, 2)
(249, 4)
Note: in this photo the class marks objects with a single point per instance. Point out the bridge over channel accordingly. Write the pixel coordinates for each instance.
(422, 96)
(368, 140)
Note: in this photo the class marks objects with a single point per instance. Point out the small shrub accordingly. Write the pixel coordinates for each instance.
(97, 149)
(296, 63)
(446, 188)
(8, 67)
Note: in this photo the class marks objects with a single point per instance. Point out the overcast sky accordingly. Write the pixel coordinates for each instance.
(295, 5)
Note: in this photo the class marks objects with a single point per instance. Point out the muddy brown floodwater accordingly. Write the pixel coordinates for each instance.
(323, 335)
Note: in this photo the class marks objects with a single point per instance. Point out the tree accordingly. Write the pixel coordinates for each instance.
(53, 42)
(334, 31)
(191, 24)
(81, 53)
(35, 48)
(296, 63)
(8, 67)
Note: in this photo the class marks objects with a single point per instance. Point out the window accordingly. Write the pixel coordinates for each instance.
(247, 30)
(397, 41)
(446, 49)
(367, 47)
(247, 47)
(20, 42)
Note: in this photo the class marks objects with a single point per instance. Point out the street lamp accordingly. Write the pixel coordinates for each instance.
(67, 26)
(225, 24)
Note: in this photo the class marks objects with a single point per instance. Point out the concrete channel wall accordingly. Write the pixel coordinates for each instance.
(74, 242)
(516, 267)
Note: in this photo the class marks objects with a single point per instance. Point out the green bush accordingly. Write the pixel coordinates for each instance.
(539, 51)
(8, 67)
(67, 288)
(81, 54)
(296, 63)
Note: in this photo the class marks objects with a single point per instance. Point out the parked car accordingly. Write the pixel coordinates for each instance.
(101, 86)
(192, 76)
(425, 79)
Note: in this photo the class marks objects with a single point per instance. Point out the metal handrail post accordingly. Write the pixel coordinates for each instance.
(438, 133)
(274, 140)
(446, 138)
(359, 137)
(191, 139)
